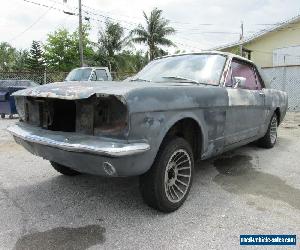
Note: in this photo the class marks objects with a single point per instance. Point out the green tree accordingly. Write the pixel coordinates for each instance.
(7, 56)
(21, 59)
(130, 61)
(35, 61)
(62, 50)
(111, 41)
(154, 34)
(12, 59)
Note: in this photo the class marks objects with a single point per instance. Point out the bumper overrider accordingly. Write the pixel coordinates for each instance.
(83, 153)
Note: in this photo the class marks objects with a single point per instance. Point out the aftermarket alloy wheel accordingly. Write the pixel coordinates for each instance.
(178, 175)
(167, 184)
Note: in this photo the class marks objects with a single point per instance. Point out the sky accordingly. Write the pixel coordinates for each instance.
(199, 24)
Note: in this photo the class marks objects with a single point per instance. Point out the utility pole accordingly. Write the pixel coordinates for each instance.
(79, 31)
(80, 35)
(241, 38)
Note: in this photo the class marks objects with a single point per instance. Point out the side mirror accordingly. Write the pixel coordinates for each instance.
(239, 82)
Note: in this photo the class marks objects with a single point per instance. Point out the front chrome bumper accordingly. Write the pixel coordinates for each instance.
(78, 143)
(86, 154)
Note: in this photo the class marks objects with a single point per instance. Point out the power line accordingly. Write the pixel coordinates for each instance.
(133, 23)
(173, 21)
(30, 26)
(101, 17)
(107, 12)
(183, 29)
(106, 17)
(177, 28)
(43, 5)
(195, 28)
(97, 19)
(57, 2)
(186, 45)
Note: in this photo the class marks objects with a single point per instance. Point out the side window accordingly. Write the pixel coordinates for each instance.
(244, 70)
(101, 75)
(259, 81)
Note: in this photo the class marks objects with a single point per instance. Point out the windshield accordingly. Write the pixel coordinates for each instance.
(198, 68)
(79, 75)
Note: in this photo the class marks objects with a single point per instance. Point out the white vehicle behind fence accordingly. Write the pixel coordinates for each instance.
(89, 74)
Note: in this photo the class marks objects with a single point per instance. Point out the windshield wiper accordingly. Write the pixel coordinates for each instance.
(139, 80)
(181, 78)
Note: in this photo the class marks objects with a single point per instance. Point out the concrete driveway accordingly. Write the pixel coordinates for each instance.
(246, 191)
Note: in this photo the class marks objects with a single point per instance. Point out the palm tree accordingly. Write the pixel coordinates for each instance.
(111, 41)
(154, 33)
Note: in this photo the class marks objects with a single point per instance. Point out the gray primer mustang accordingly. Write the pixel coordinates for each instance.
(176, 110)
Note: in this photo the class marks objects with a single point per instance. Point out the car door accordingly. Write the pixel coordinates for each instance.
(101, 75)
(246, 110)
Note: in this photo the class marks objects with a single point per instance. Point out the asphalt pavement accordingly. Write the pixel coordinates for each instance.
(246, 191)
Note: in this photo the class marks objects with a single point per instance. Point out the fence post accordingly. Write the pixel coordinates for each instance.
(284, 78)
(45, 76)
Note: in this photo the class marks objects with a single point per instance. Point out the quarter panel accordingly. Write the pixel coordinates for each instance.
(276, 99)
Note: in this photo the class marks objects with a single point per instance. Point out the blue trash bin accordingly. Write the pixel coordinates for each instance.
(7, 101)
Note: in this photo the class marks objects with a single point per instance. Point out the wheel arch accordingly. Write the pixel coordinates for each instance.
(187, 127)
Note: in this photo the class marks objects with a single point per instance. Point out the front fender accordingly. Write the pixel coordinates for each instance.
(153, 127)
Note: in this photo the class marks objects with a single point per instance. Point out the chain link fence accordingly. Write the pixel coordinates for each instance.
(38, 77)
(286, 78)
(48, 77)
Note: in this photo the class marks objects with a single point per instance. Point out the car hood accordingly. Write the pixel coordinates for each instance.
(138, 96)
(82, 90)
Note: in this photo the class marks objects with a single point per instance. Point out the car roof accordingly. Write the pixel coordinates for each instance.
(213, 52)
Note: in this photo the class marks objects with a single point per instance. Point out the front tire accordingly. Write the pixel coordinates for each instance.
(167, 184)
(270, 138)
(63, 169)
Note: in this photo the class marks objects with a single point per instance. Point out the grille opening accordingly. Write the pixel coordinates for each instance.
(64, 116)
(110, 116)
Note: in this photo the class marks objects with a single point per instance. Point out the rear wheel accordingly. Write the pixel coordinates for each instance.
(166, 185)
(270, 138)
(63, 169)
(2, 116)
